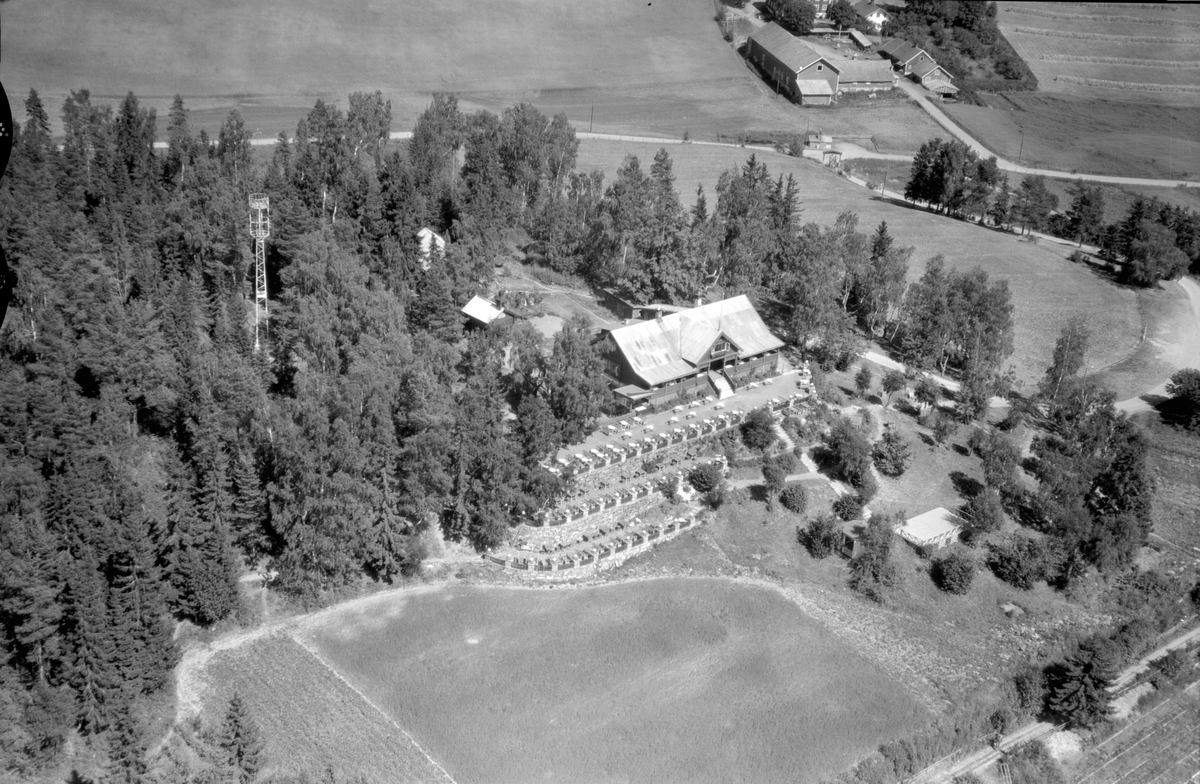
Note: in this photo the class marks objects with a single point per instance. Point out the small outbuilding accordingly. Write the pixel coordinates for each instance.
(932, 530)
(482, 313)
(851, 544)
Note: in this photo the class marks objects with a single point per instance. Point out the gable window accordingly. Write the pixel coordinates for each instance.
(820, 67)
(720, 347)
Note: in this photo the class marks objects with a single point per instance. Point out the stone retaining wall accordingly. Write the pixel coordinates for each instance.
(606, 555)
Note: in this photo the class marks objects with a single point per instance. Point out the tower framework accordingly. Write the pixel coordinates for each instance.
(260, 229)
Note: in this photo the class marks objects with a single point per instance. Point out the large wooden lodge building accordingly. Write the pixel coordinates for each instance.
(710, 349)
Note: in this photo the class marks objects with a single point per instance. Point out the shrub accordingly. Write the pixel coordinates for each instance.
(1000, 459)
(891, 454)
(944, 427)
(716, 496)
(862, 381)
(848, 507)
(872, 572)
(705, 478)
(851, 451)
(794, 498)
(954, 573)
(758, 431)
(868, 486)
(893, 382)
(984, 514)
(1018, 561)
(821, 536)
(1165, 670)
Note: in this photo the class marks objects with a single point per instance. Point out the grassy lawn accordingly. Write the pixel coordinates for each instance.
(663, 680)
(1046, 289)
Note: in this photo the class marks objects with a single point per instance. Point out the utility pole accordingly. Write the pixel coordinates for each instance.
(591, 117)
(1021, 151)
(887, 168)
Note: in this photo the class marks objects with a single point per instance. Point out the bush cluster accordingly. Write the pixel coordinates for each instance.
(821, 537)
(794, 498)
(954, 573)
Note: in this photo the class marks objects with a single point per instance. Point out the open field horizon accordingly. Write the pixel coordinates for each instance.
(617, 65)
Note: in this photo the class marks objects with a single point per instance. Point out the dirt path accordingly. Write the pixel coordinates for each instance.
(1180, 349)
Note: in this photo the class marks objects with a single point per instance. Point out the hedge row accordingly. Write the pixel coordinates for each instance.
(1087, 58)
(1193, 89)
(1130, 39)
(1019, 9)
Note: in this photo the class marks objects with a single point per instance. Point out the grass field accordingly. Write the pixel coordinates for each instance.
(1137, 116)
(1046, 289)
(612, 65)
(310, 719)
(663, 680)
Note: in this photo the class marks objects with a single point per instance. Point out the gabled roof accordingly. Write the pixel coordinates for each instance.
(921, 70)
(866, 71)
(938, 86)
(860, 39)
(865, 8)
(901, 51)
(482, 310)
(661, 350)
(789, 49)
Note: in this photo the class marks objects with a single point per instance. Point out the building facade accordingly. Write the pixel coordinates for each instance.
(792, 67)
(690, 353)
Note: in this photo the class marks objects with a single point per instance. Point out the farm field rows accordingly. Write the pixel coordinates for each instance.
(660, 680)
(310, 719)
(1113, 44)
(611, 65)
(1046, 289)
(1158, 747)
(1141, 122)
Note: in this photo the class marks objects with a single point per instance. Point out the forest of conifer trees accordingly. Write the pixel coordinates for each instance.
(150, 455)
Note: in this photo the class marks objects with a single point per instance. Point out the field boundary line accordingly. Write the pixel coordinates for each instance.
(1131, 39)
(387, 717)
(1150, 20)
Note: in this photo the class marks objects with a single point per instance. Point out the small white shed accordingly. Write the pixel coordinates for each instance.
(932, 530)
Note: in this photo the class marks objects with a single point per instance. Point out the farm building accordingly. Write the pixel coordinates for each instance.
(934, 77)
(819, 141)
(904, 56)
(873, 13)
(932, 530)
(712, 348)
(860, 40)
(482, 313)
(865, 76)
(794, 69)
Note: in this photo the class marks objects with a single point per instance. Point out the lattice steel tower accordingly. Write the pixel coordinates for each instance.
(260, 228)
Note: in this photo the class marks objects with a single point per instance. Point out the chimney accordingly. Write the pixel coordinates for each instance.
(658, 315)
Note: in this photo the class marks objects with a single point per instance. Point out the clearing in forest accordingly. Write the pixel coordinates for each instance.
(656, 680)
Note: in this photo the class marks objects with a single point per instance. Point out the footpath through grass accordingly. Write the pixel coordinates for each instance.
(659, 680)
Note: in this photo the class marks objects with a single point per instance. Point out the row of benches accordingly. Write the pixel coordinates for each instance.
(595, 553)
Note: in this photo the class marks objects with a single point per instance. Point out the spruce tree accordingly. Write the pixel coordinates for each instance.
(241, 740)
